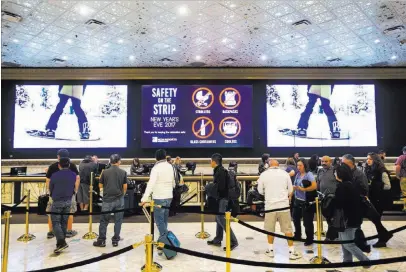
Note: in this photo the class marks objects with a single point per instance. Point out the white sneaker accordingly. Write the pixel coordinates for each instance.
(294, 255)
(269, 253)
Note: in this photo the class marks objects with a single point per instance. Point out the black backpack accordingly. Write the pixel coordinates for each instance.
(328, 206)
(234, 186)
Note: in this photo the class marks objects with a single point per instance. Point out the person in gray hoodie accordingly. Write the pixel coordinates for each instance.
(327, 184)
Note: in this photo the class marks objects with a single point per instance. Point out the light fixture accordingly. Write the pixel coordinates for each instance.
(289, 21)
(368, 4)
(15, 40)
(69, 41)
(328, 58)
(120, 41)
(309, 2)
(198, 57)
(278, 14)
(232, 5)
(182, 10)
(65, 58)
(263, 57)
(377, 41)
(394, 57)
(84, 10)
(224, 40)
(326, 41)
(275, 41)
(174, 49)
(132, 57)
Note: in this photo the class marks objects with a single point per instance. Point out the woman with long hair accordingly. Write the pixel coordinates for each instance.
(347, 200)
(134, 166)
(304, 184)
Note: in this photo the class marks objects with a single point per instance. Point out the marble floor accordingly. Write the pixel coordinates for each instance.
(38, 253)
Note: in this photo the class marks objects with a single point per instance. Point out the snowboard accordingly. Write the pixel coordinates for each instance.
(34, 133)
(289, 132)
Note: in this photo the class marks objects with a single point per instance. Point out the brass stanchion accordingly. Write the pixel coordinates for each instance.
(150, 265)
(202, 234)
(319, 259)
(90, 235)
(27, 236)
(228, 240)
(6, 242)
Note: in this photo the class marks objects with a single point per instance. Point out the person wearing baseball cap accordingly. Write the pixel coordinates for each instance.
(401, 174)
(52, 169)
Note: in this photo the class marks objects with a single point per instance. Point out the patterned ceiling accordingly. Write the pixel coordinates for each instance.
(210, 33)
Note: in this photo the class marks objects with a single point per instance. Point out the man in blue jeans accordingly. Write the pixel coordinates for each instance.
(220, 178)
(160, 186)
(113, 182)
(63, 185)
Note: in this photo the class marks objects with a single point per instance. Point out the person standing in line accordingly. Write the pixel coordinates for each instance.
(360, 182)
(220, 178)
(401, 175)
(63, 185)
(160, 188)
(86, 168)
(300, 206)
(327, 184)
(347, 199)
(263, 165)
(52, 169)
(276, 186)
(113, 184)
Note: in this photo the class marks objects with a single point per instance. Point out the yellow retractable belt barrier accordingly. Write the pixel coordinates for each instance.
(90, 235)
(27, 236)
(202, 234)
(6, 243)
(319, 259)
(228, 240)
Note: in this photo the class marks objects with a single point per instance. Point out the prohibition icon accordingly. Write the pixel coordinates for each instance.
(230, 127)
(228, 97)
(203, 98)
(202, 126)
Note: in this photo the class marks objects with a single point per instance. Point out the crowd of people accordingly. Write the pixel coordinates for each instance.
(359, 192)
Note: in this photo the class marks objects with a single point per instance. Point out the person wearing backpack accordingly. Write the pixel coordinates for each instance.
(226, 191)
(401, 175)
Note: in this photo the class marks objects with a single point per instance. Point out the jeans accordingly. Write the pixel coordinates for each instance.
(221, 223)
(161, 215)
(105, 218)
(60, 222)
(350, 249)
(300, 210)
(63, 100)
(325, 104)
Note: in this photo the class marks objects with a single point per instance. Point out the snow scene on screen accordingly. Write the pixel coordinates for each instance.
(321, 115)
(70, 116)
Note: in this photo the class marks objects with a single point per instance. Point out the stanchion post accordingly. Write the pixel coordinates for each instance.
(319, 259)
(228, 240)
(27, 236)
(6, 242)
(90, 235)
(202, 234)
(150, 265)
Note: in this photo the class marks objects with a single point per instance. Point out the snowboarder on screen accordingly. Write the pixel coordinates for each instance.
(314, 92)
(66, 92)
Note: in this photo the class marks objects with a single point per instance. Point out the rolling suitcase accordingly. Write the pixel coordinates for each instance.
(129, 202)
(169, 239)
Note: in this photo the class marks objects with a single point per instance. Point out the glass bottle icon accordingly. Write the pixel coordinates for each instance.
(202, 129)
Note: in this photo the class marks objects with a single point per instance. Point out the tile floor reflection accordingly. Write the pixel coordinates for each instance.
(38, 253)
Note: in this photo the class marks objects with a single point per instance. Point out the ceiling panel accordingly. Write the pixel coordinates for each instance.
(211, 33)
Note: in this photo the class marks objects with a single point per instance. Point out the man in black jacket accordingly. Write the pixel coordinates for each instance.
(220, 179)
(86, 168)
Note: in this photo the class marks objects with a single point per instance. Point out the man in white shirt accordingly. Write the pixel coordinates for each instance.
(160, 186)
(275, 184)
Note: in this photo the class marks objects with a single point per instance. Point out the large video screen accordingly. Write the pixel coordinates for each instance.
(321, 115)
(70, 116)
(196, 116)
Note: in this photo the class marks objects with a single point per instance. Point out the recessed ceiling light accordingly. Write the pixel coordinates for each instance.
(224, 40)
(120, 41)
(200, 14)
(377, 41)
(275, 41)
(394, 57)
(368, 4)
(326, 41)
(309, 2)
(132, 57)
(69, 41)
(84, 10)
(15, 40)
(232, 5)
(328, 58)
(182, 10)
(263, 57)
(198, 57)
(174, 49)
(278, 14)
(27, 4)
(289, 21)
(65, 58)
